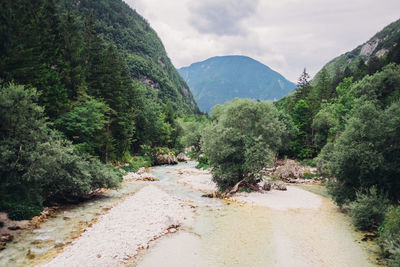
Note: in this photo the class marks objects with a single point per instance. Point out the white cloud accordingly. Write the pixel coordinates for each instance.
(286, 35)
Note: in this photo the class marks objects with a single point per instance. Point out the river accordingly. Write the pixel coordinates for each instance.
(222, 233)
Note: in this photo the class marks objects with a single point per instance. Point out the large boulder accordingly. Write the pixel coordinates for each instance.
(163, 159)
(140, 175)
(182, 157)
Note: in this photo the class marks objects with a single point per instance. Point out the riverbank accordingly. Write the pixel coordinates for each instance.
(125, 229)
(292, 198)
(197, 179)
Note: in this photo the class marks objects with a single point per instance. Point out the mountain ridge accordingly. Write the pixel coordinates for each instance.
(221, 78)
(377, 46)
(141, 48)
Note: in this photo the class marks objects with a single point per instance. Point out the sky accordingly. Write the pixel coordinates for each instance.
(286, 35)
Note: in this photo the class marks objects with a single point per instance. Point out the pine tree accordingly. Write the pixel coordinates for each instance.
(93, 57)
(303, 86)
(72, 75)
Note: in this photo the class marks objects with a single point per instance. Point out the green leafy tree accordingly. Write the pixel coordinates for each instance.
(83, 123)
(30, 50)
(367, 153)
(301, 146)
(243, 138)
(193, 127)
(37, 165)
(72, 65)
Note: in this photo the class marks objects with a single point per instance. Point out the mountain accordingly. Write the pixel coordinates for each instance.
(220, 79)
(140, 47)
(376, 47)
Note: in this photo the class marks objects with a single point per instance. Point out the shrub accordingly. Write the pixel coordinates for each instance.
(37, 165)
(340, 193)
(203, 163)
(309, 162)
(23, 211)
(137, 163)
(368, 210)
(17, 208)
(308, 175)
(390, 236)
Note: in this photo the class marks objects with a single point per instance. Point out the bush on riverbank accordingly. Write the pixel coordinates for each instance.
(368, 210)
(37, 164)
(136, 163)
(204, 163)
(389, 233)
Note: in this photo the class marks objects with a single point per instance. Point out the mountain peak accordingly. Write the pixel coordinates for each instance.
(222, 78)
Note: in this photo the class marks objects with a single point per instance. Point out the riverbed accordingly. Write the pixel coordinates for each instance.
(221, 233)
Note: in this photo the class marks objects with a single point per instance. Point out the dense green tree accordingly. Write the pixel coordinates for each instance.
(193, 127)
(302, 145)
(83, 123)
(36, 163)
(31, 45)
(244, 137)
(303, 87)
(383, 87)
(394, 53)
(367, 153)
(72, 64)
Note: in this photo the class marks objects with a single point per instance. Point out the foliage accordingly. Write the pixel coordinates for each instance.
(366, 154)
(389, 233)
(192, 127)
(309, 162)
(301, 145)
(83, 124)
(84, 73)
(18, 209)
(368, 210)
(243, 138)
(137, 162)
(391, 223)
(36, 163)
(204, 163)
(139, 45)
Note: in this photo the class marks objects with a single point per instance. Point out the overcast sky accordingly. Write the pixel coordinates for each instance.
(286, 35)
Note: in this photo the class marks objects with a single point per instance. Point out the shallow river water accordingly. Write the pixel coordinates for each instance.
(222, 233)
(232, 234)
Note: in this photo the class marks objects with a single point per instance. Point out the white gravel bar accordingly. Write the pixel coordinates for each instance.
(292, 198)
(200, 180)
(128, 227)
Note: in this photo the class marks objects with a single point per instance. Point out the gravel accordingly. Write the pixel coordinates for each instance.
(293, 198)
(128, 227)
(200, 180)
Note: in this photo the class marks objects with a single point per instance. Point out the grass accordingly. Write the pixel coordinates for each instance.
(203, 163)
(136, 163)
(245, 189)
(308, 162)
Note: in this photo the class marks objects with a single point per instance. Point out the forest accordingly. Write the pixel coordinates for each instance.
(79, 98)
(70, 106)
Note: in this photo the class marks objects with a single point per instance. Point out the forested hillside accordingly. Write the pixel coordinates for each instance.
(80, 82)
(140, 47)
(371, 51)
(221, 79)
